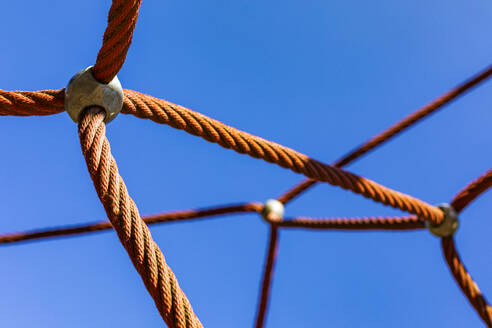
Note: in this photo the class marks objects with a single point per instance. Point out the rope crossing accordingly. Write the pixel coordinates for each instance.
(132, 229)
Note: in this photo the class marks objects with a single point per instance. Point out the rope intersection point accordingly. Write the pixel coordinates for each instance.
(94, 97)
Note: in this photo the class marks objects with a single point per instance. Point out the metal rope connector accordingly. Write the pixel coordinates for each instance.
(273, 211)
(84, 91)
(448, 226)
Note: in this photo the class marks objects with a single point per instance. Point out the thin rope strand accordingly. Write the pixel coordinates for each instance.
(178, 216)
(267, 276)
(403, 223)
(465, 281)
(472, 191)
(395, 130)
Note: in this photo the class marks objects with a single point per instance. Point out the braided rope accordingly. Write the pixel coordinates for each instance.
(117, 38)
(465, 281)
(133, 233)
(365, 223)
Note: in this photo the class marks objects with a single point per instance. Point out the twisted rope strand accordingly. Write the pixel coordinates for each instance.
(465, 281)
(133, 233)
(28, 103)
(394, 130)
(458, 270)
(472, 191)
(366, 223)
(164, 112)
(267, 276)
(183, 215)
(117, 38)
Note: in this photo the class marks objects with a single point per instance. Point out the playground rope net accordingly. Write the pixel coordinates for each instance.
(132, 229)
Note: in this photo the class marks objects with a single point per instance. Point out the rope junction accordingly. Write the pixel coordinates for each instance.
(132, 229)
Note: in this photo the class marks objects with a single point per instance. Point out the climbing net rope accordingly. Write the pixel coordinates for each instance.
(132, 229)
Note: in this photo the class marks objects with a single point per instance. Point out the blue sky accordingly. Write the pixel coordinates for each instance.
(317, 76)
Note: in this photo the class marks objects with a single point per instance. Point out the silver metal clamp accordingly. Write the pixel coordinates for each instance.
(273, 210)
(448, 226)
(84, 91)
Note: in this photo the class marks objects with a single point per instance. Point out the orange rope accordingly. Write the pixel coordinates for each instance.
(394, 130)
(465, 281)
(460, 274)
(472, 191)
(29, 103)
(267, 276)
(132, 231)
(122, 19)
(366, 223)
(183, 215)
(161, 111)
(178, 117)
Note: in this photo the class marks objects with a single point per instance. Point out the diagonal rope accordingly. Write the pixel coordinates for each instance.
(184, 215)
(358, 152)
(117, 38)
(456, 266)
(164, 112)
(133, 233)
(465, 281)
(178, 117)
(267, 276)
(472, 191)
(395, 130)
(47, 102)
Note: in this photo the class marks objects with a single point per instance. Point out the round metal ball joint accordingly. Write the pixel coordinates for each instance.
(448, 226)
(273, 210)
(84, 91)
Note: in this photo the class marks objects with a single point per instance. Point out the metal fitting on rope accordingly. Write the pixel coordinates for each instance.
(448, 226)
(84, 91)
(273, 210)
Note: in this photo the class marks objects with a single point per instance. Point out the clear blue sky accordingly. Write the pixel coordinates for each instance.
(318, 76)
